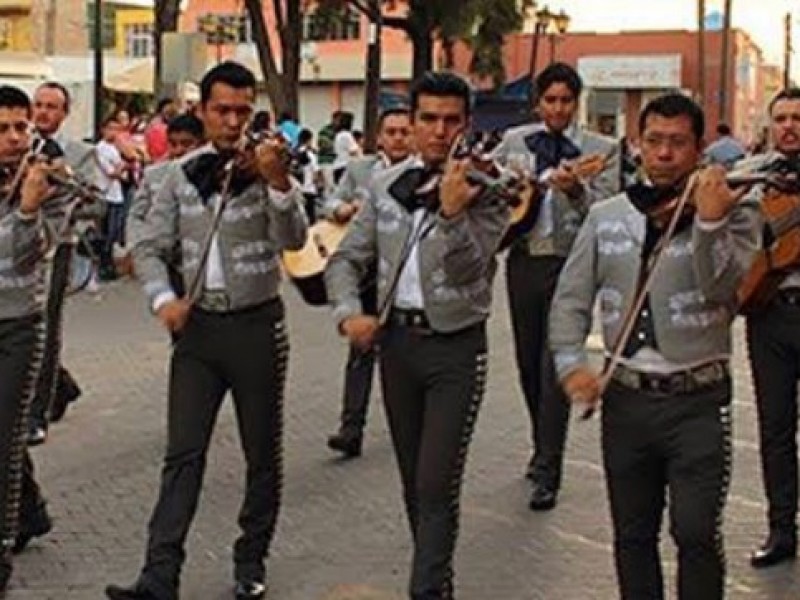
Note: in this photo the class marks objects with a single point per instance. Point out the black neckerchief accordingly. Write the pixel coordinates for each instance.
(550, 149)
(206, 172)
(417, 187)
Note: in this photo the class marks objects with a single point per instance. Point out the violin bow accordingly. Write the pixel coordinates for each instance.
(638, 300)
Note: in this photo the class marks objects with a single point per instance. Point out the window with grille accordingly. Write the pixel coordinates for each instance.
(139, 41)
(344, 24)
(225, 28)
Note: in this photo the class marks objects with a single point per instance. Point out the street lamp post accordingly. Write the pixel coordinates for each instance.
(97, 38)
(560, 23)
(544, 18)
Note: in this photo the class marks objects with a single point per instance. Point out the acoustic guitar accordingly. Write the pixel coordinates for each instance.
(305, 267)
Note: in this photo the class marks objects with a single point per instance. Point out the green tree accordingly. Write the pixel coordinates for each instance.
(482, 24)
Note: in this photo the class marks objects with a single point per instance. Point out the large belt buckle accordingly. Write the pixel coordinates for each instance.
(708, 375)
(215, 301)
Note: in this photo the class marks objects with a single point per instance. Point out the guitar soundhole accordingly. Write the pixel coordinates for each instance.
(323, 251)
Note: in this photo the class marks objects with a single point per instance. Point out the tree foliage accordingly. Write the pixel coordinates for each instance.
(483, 24)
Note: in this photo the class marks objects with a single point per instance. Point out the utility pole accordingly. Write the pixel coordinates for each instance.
(373, 76)
(723, 76)
(787, 51)
(97, 36)
(701, 53)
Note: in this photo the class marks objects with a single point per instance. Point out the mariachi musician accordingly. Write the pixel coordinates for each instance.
(394, 143)
(55, 387)
(436, 257)
(554, 146)
(22, 244)
(667, 288)
(773, 338)
(231, 220)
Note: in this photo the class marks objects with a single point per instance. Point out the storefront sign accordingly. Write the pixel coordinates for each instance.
(631, 72)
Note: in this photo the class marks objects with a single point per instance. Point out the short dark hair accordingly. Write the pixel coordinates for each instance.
(723, 129)
(441, 84)
(55, 85)
(163, 103)
(559, 72)
(186, 124)
(13, 97)
(393, 111)
(112, 118)
(792, 93)
(345, 121)
(304, 136)
(230, 73)
(675, 104)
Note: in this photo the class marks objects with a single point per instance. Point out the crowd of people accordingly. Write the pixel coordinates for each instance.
(206, 202)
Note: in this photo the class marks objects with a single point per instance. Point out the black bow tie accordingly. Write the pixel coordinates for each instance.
(207, 172)
(550, 149)
(646, 197)
(47, 147)
(417, 188)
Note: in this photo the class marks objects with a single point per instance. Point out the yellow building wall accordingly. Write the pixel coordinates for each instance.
(19, 29)
(130, 16)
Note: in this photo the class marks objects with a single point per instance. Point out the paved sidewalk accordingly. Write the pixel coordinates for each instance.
(341, 534)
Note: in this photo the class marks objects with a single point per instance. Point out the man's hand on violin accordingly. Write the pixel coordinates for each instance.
(714, 199)
(35, 186)
(346, 211)
(174, 314)
(455, 192)
(565, 179)
(272, 163)
(360, 330)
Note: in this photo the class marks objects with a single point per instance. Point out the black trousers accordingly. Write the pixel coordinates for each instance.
(432, 388)
(358, 377)
(245, 352)
(54, 380)
(20, 355)
(674, 445)
(773, 338)
(531, 283)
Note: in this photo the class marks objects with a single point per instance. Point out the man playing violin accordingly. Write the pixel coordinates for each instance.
(394, 143)
(666, 416)
(232, 332)
(56, 387)
(773, 338)
(22, 247)
(435, 256)
(536, 258)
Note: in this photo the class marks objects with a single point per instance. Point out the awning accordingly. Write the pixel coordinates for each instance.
(137, 78)
(24, 65)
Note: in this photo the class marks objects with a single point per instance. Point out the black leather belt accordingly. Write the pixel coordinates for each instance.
(789, 296)
(411, 319)
(681, 382)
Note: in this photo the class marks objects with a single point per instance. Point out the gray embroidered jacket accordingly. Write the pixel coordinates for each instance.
(254, 229)
(152, 180)
(22, 247)
(456, 257)
(692, 297)
(567, 212)
(353, 184)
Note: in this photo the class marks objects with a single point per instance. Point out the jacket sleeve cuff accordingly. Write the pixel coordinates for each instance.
(566, 361)
(345, 310)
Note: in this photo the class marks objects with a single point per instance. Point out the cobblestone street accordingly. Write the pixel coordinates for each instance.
(341, 534)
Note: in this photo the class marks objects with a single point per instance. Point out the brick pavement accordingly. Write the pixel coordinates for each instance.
(341, 534)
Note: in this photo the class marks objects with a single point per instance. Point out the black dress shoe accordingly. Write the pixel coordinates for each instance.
(349, 445)
(250, 589)
(134, 592)
(543, 497)
(777, 549)
(31, 526)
